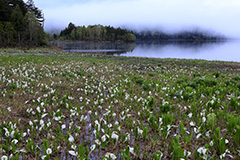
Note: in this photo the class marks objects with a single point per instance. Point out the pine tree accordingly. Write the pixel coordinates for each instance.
(5, 11)
(18, 21)
(35, 30)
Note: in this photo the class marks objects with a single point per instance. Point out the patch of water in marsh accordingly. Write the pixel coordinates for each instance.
(218, 51)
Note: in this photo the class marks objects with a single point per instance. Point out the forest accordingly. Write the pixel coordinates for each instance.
(96, 33)
(21, 24)
(107, 33)
(180, 36)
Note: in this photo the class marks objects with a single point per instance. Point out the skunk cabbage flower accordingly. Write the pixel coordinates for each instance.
(4, 158)
(49, 151)
(73, 153)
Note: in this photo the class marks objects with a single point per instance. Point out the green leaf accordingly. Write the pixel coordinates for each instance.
(211, 119)
(145, 133)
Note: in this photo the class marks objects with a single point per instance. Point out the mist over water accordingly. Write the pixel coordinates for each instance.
(216, 17)
(222, 51)
(171, 15)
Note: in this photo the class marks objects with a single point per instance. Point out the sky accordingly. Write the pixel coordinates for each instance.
(220, 16)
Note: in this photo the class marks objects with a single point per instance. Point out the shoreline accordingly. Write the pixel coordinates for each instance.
(51, 50)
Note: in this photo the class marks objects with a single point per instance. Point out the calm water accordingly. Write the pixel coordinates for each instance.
(223, 51)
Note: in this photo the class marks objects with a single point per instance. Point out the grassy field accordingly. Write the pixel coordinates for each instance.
(57, 105)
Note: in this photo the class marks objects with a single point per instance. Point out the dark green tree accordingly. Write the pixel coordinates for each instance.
(96, 33)
(5, 11)
(9, 33)
(18, 21)
(34, 29)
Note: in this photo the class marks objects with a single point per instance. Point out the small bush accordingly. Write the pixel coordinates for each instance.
(236, 78)
(147, 87)
(139, 81)
(165, 108)
(151, 74)
(13, 86)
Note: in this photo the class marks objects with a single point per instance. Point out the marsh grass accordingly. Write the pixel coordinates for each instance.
(91, 106)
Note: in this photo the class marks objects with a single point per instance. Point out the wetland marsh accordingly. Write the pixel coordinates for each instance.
(59, 105)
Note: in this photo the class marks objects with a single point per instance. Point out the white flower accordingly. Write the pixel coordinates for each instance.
(140, 131)
(196, 130)
(49, 151)
(211, 143)
(116, 123)
(202, 150)
(73, 153)
(4, 158)
(38, 109)
(226, 141)
(207, 133)
(57, 118)
(212, 101)
(44, 156)
(96, 122)
(127, 137)
(198, 135)
(119, 128)
(7, 133)
(111, 155)
(93, 147)
(190, 115)
(9, 109)
(204, 119)
(114, 135)
(30, 123)
(12, 133)
(42, 104)
(103, 138)
(21, 150)
(74, 146)
(97, 142)
(15, 141)
(131, 149)
(222, 156)
(192, 124)
(41, 122)
(160, 121)
(187, 153)
(63, 126)
(44, 115)
(168, 127)
(48, 124)
(70, 139)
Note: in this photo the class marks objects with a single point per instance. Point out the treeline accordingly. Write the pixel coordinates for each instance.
(20, 23)
(96, 33)
(183, 36)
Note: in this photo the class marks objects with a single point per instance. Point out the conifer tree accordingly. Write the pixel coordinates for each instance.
(18, 21)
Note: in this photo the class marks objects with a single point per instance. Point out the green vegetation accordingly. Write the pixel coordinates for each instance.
(59, 105)
(96, 33)
(20, 24)
(190, 36)
(106, 33)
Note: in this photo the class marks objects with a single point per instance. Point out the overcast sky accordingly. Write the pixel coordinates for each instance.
(170, 15)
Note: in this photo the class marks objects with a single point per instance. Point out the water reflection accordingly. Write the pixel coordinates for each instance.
(94, 47)
(208, 50)
(190, 45)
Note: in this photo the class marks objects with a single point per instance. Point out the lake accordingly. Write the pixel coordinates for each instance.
(219, 51)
